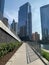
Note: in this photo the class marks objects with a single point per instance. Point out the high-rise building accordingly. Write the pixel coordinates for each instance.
(44, 10)
(35, 36)
(25, 21)
(1, 8)
(14, 26)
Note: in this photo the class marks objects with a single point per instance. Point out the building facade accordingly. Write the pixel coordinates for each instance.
(44, 10)
(14, 26)
(1, 8)
(25, 21)
(35, 36)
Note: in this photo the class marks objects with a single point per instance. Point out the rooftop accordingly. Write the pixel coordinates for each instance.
(45, 6)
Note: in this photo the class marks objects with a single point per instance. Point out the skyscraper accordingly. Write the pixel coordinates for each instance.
(14, 26)
(1, 8)
(44, 10)
(25, 21)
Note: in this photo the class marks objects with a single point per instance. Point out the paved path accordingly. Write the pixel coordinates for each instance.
(24, 56)
(46, 50)
(31, 56)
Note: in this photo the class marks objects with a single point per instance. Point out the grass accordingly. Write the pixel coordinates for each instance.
(45, 54)
(8, 47)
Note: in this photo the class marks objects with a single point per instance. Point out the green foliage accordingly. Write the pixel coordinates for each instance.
(45, 54)
(8, 47)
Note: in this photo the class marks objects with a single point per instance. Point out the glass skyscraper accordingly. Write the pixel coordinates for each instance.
(1, 8)
(14, 26)
(44, 10)
(25, 21)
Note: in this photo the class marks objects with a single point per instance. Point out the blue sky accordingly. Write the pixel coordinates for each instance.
(12, 7)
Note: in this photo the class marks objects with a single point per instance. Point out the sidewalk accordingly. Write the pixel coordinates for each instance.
(19, 58)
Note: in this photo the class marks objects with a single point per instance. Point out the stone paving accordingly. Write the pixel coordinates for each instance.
(24, 56)
(31, 56)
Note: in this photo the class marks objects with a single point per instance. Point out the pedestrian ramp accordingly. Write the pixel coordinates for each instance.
(30, 55)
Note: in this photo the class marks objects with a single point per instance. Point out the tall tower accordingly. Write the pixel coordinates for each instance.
(14, 26)
(25, 21)
(1, 8)
(44, 10)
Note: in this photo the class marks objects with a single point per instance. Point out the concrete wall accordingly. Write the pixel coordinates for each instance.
(5, 37)
(5, 28)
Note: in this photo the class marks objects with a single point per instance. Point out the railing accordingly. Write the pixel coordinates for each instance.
(37, 49)
(36, 46)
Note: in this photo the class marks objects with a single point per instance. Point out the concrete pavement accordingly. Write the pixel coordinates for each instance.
(31, 56)
(46, 50)
(24, 56)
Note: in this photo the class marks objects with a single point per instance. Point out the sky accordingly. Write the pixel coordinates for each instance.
(12, 7)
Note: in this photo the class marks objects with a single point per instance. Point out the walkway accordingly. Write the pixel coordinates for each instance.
(24, 56)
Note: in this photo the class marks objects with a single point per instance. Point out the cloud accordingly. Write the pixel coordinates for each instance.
(11, 15)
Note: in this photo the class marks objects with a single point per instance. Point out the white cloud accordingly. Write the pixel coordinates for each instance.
(11, 15)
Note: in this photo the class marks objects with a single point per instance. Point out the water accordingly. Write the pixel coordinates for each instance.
(45, 46)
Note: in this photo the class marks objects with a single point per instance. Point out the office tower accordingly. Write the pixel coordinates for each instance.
(1, 8)
(44, 10)
(35, 36)
(25, 22)
(14, 26)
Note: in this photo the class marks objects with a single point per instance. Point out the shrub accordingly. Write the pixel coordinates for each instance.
(45, 54)
(8, 47)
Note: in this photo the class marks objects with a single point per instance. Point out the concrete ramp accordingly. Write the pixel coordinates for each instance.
(20, 57)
